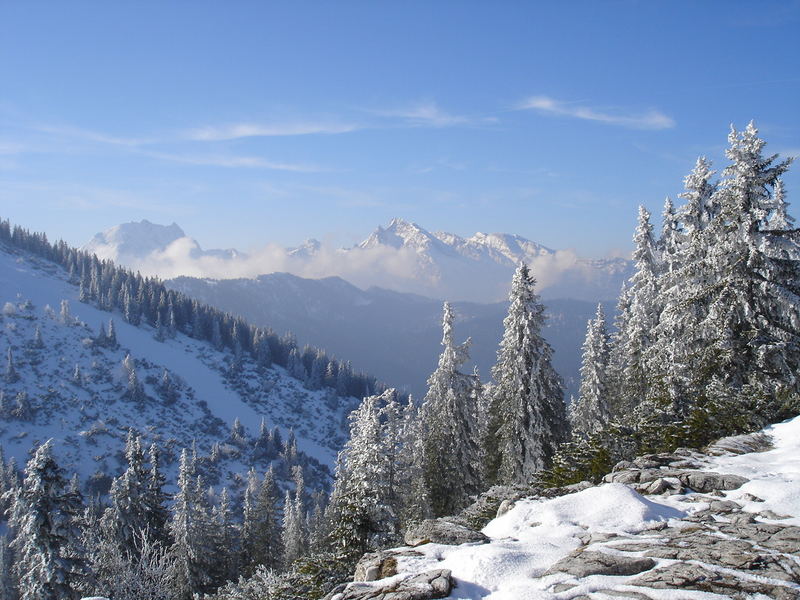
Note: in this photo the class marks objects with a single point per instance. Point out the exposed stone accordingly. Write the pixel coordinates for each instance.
(505, 506)
(585, 563)
(622, 466)
(705, 481)
(424, 586)
(691, 576)
(750, 498)
(662, 485)
(377, 565)
(442, 531)
(724, 506)
(741, 444)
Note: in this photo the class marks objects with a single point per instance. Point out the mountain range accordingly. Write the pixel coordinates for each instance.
(402, 256)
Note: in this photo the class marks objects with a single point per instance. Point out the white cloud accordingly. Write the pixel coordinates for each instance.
(651, 119)
(245, 130)
(92, 136)
(425, 114)
(248, 162)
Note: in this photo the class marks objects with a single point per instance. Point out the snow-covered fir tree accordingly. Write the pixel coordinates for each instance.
(527, 417)
(45, 521)
(451, 452)
(591, 411)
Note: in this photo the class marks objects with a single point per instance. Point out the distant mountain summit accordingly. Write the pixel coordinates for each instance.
(402, 256)
(133, 243)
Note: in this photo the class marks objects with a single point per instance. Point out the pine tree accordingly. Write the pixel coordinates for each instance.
(261, 534)
(643, 315)
(8, 588)
(752, 316)
(449, 418)
(127, 518)
(362, 513)
(155, 499)
(187, 531)
(527, 420)
(11, 374)
(44, 518)
(591, 412)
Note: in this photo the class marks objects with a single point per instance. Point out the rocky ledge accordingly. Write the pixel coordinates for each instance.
(718, 549)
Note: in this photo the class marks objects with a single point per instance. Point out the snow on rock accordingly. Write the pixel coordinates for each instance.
(610, 507)
(610, 541)
(774, 474)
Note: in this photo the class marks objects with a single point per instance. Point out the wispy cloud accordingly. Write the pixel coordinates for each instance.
(651, 119)
(92, 136)
(249, 162)
(424, 114)
(246, 130)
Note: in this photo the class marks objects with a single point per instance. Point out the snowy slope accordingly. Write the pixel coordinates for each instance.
(88, 414)
(744, 540)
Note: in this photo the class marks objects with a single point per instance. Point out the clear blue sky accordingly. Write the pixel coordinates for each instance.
(255, 122)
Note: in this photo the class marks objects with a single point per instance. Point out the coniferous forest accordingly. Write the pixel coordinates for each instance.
(705, 343)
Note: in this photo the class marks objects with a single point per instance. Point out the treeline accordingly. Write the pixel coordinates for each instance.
(145, 300)
(706, 342)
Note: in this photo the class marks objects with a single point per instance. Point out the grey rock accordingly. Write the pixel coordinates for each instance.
(662, 485)
(377, 565)
(442, 531)
(424, 586)
(505, 506)
(583, 564)
(705, 481)
(724, 506)
(695, 577)
(627, 477)
(622, 466)
(741, 444)
(750, 498)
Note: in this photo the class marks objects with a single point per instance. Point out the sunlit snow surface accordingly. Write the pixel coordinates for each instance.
(535, 534)
(774, 475)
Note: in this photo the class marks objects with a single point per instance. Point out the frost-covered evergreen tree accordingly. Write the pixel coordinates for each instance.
(292, 531)
(156, 498)
(127, 517)
(642, 315)
(360, 512)
(11, 374)
(261, 533)
(527, 417)
(451, 452)
(8, 587)
(187, 528)
(591, 411)
(44, 518)
(752, 319)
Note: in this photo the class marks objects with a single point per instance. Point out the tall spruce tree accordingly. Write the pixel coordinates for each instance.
(591, 411)
(44, 518)
(451, 452)
(527, 417)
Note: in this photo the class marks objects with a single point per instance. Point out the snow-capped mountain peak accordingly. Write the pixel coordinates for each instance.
(133, 243)
(400, 233)
(134, 239)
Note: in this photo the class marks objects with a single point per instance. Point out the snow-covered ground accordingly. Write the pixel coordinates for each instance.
(88, 414)
(535, 534)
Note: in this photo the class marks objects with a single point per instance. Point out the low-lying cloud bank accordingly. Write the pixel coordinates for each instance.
(400, 269)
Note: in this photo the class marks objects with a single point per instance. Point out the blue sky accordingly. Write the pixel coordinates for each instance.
(256, 122)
